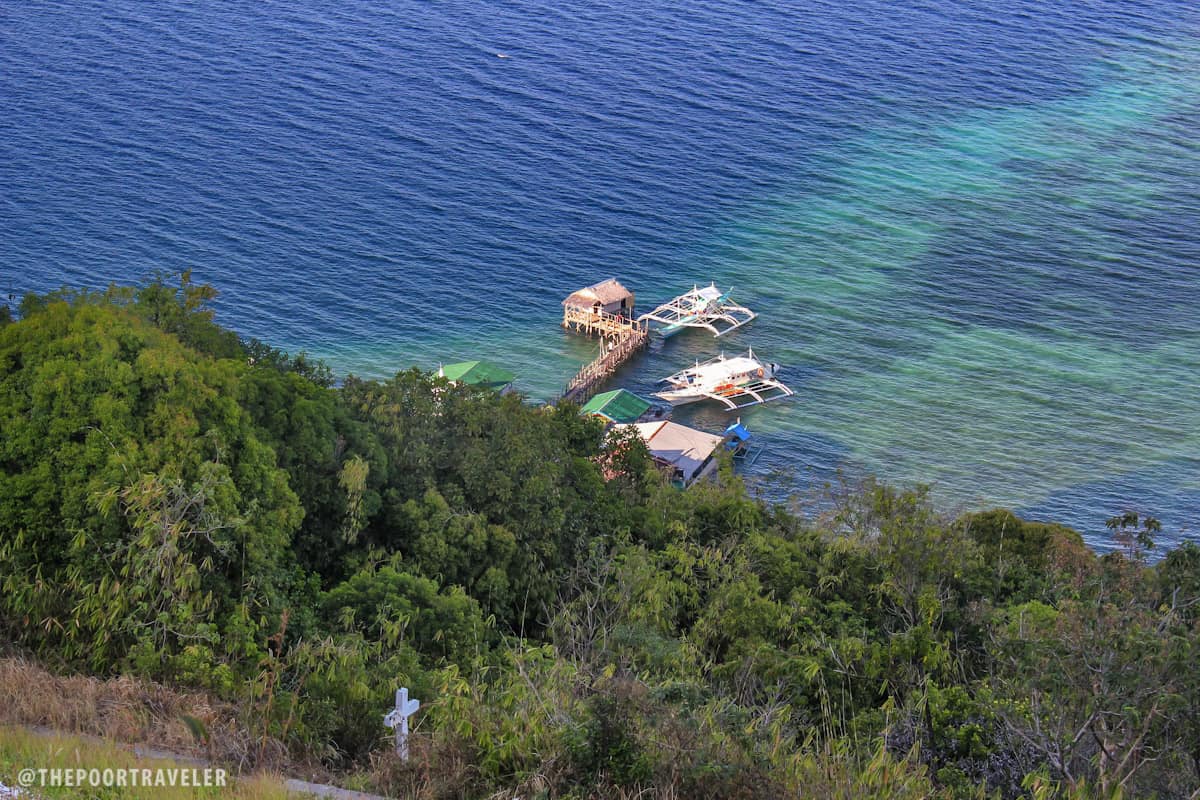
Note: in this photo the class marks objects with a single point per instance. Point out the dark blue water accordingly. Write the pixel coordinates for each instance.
(971, 232)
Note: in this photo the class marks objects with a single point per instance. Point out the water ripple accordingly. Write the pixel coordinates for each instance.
(970, 229)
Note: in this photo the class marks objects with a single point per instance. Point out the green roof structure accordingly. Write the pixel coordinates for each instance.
(618, 406)
(477, 373)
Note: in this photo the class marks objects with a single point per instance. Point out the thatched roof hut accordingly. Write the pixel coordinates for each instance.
(608, 296)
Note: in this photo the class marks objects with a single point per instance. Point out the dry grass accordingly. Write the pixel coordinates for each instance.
(438, 769)
(20, 749)
(130, 711)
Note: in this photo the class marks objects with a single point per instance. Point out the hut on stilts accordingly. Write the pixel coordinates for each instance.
(604, 309)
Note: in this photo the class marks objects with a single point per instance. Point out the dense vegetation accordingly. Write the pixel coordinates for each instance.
(181, 505)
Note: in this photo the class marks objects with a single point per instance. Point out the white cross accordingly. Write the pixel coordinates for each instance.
(398, 718)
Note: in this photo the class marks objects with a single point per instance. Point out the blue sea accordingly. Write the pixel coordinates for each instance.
(971, 229)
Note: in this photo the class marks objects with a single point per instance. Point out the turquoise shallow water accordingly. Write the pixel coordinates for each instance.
(971, 234)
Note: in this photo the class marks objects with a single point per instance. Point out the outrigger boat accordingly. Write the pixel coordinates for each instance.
(708, 308)
(736, 382)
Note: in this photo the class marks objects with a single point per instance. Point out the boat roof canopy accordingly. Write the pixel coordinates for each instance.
(707, 308)
(721, 367)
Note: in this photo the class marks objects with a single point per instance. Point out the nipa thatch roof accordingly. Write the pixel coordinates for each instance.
(605, 293)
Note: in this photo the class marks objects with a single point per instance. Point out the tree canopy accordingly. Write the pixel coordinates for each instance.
(183, 505)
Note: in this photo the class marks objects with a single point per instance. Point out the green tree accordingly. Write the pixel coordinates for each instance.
(1135, 541)
(1089, 685)
(391, 606)
(478, 490)
(315, 443)
(130, 475)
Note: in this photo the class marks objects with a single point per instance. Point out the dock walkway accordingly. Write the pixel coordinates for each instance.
(621, 338)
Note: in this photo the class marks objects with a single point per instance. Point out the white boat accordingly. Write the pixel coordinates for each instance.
(707, 308)
(735, 382)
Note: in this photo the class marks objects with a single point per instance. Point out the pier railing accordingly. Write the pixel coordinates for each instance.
(622, 338)
(586, 320)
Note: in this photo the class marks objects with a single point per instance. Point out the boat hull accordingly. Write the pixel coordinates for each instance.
(669, 330)
(677, 398)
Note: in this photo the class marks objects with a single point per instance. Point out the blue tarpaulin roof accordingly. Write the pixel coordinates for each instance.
(738, 434)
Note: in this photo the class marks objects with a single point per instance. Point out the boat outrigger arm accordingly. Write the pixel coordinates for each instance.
(706, 308)
(749, 394)
(737, 382)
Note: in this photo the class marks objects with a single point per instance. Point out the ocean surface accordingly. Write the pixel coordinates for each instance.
(971, 230)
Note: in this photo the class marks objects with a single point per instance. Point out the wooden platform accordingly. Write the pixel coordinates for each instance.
(599, 323)
(621, 338)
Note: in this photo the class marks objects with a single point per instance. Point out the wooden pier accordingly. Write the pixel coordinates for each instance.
(600, 323)
(620, 339)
